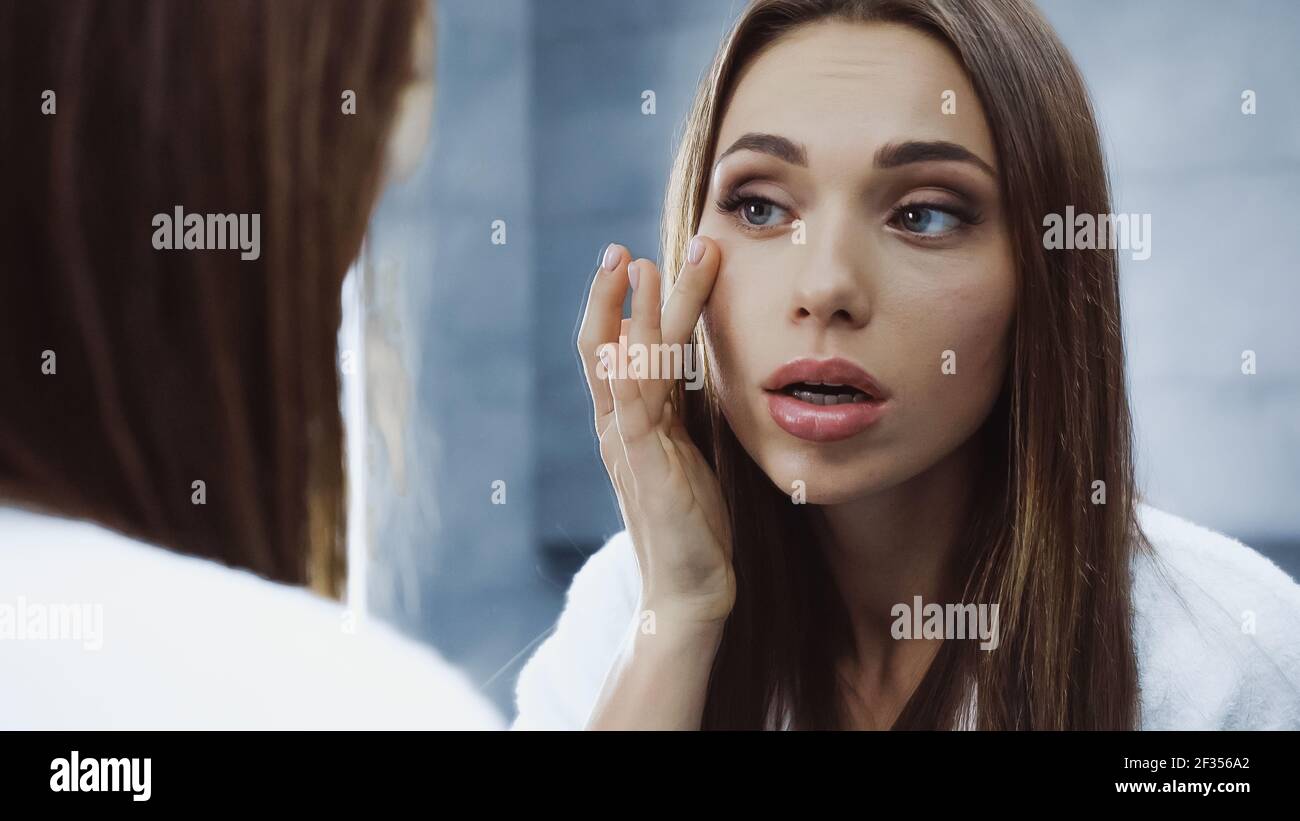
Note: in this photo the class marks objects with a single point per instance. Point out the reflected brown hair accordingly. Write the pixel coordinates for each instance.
(1057, 564)
(174, 367)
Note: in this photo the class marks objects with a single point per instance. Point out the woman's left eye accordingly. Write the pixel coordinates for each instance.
(926, 220)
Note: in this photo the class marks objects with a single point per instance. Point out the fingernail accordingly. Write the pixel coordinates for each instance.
(695, 252)
(611, 257)
(633, 272)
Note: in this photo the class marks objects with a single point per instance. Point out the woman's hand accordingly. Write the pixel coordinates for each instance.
(669, 497)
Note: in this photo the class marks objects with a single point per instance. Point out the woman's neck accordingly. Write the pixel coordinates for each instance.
(887, 549)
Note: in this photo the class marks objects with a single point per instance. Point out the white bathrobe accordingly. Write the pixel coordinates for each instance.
(1216, 626)
(98, 631)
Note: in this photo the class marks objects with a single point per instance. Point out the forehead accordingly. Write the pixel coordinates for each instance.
(844, 89)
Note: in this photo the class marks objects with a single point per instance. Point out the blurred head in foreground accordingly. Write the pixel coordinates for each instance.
(189, 185)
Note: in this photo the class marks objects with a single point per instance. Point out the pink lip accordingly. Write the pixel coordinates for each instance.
(824, 423)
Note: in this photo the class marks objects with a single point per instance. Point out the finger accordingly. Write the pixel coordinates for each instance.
(601, 322)
(654, 365)
(644, 329)
(612, 455)
(602, 395)
(645, 302)
(616, 362)
(644, 452)
(620, 384)
(690, 292)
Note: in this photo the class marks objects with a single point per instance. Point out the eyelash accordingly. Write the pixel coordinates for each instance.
(966, 216)
(731, 203)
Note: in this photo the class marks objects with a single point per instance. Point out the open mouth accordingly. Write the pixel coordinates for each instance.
(826, 393)
(824, 400)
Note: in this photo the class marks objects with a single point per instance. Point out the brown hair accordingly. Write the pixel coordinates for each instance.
(175, 367)
(1057, 564)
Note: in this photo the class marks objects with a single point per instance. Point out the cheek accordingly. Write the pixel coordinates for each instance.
(726, 327)
(964, 326)
(744, 301)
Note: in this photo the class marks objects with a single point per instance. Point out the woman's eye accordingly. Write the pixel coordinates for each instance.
(927, 220)
(760, 212)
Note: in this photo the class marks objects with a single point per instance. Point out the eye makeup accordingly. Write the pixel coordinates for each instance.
(752, 210)
(929, 204)
(925, 216)
(930, 216)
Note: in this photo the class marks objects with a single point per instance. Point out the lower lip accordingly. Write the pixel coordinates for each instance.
(822, 423)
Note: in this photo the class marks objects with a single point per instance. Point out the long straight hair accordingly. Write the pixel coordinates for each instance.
(169, 368)
(1039, 542)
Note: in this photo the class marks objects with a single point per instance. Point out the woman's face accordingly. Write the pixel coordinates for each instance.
(855, 199)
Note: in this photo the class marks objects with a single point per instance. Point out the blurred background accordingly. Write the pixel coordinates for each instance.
(543, 142)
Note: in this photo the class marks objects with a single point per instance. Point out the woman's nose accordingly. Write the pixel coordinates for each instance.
(831, 287)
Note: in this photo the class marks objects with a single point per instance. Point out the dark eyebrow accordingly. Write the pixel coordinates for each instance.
(778, 147)
(895, 154)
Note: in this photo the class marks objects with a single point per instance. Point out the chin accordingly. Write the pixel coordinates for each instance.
(826, 481)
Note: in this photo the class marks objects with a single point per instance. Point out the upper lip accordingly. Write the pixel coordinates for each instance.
(833, 371)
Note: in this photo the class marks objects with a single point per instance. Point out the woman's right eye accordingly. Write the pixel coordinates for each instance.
(754, 212)
(760, 212)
